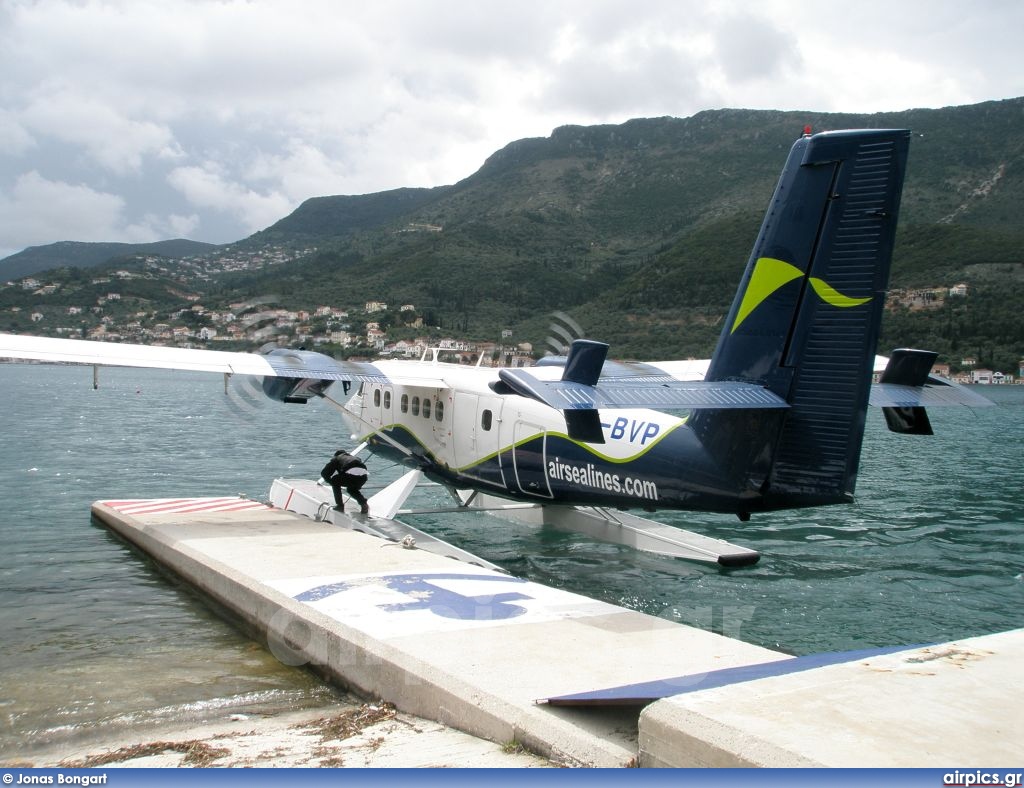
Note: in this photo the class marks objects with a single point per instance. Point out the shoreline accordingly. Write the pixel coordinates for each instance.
(336, 735)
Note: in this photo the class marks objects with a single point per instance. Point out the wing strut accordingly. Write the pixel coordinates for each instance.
(345, 411)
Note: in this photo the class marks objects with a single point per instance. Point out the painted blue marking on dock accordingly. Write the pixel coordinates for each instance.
(426, 595)
(647, 691)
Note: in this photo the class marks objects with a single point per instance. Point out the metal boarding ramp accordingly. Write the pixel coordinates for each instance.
(316, 501)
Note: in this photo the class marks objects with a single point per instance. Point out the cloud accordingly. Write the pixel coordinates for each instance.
(623, 81)
(468, 30)
(14, 137)
(37, 206)
(219, 117)
(171, 226)
(753, 48)
(115, 142)
(207, 187)
(674, 58)
(40, 211)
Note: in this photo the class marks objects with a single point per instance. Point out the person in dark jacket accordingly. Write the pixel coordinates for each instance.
(346, 471)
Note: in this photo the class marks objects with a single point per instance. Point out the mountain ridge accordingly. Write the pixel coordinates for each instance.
(87, 254)
(642, 228)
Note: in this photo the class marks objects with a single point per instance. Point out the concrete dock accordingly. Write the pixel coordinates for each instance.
(482, 652)
(952, 704)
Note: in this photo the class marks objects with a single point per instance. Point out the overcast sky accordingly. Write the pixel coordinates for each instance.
(150, 119)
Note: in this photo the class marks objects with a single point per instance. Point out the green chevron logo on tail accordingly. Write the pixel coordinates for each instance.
(770, 274)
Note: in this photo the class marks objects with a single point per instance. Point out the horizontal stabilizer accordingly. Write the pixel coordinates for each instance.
(580, 403)
(666, 393)
(894, 395)
(906, 388)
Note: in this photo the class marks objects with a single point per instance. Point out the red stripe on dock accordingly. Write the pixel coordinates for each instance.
(148, 504)
(183, 505)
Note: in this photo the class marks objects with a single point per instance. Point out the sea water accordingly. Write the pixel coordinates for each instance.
(94, 637)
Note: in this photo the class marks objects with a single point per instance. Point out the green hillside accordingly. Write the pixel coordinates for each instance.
(340, 216)
(640, 232)
(79, 254)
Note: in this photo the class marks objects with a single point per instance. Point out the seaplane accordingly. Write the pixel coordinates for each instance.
(773, 420)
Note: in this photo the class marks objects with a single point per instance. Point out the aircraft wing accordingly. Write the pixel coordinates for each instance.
(279, 363)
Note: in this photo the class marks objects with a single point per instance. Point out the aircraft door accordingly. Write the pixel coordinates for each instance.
(442, 425)
(387, 406)
(530, 459)
(475, 433)
(375, 411)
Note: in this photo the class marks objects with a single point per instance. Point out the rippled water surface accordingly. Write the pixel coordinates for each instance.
(94, 636)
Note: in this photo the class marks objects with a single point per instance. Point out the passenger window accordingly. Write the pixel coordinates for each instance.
(485, 419)
(415, 406)
(405, 403)
(426, 408)
(439, 410)
(376, 398)
(387, 400)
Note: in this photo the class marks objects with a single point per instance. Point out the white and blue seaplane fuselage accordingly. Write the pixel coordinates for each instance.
(463, 433)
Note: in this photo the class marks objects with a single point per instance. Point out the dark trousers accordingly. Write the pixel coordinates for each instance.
(352, 485)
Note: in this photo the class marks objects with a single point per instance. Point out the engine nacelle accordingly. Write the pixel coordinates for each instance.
(292, 386)
(294, 390)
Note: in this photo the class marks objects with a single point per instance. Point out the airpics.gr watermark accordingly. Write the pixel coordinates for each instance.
(979, 777)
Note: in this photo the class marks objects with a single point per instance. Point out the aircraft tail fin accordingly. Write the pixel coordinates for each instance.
(805, 320)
